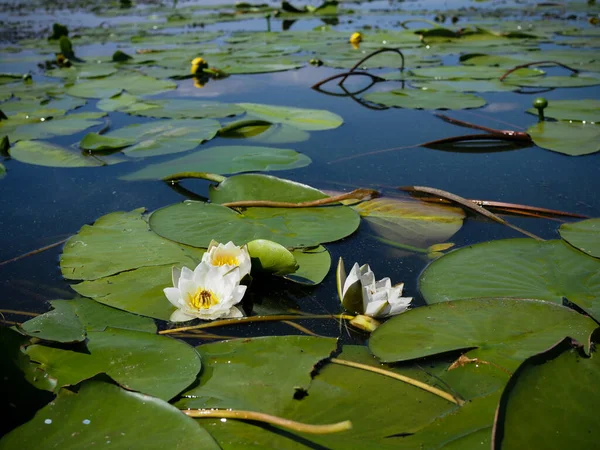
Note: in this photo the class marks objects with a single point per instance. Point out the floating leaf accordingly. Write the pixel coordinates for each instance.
(584, 110)
(120, 242)
(473, 72)
(225, 160)
(314, 265)
(50, 155)
(42, 108)
(87, 418)
(583, 235)
(175, 108)
(152, 364)
(163, 137)
(574, 139)
(99, 142)
(134, 83)
(411, 223)
(61, 126)
(425, 99)
(517, 268)
(304, 119)
(575, 80)
(89, 70)
(545, 390)
(528, 327)
(197, 223)
(464, 85)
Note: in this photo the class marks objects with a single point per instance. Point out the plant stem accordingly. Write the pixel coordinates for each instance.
(536, 63)
(405, 379)
(359, 194)
(267, 418)
(202, 175)
(34, 252)
(244, 320)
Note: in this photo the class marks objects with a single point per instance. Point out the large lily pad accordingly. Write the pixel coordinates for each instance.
(304, 119)
(583, 110)
(517, 268)
(197, 223)
(119, 242)
(69, 320)
(87, 418)
(473, 72)
(574, 139)
(61, 126)
(550, 402)
(425, 99)
(42, 107)
(527, 327)
(576, 80)
(584, 235)
(50, 155)
(134, 83)
(314, 265)
(152, 364)
(163, 137)
(174, 108)
(225, 160)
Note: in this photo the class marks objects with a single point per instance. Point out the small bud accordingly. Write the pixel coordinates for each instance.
(365, 323)
(356, 38)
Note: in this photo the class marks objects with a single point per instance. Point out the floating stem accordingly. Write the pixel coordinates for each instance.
(244, 320)
(405, 379)
(267, 418)
(536, 63)
(359, 194)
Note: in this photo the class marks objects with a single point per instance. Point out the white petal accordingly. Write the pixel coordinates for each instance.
(233, 313)
(352, 278)
(375, 309)
(175, 274)
(186, 274)
(174, 296)
(179, 316)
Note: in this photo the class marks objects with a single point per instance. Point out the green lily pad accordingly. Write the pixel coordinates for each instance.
(247, 67)
(88, 418)
(473, 72)
(50, 155)
(61, 126)
(99, 142)
(583, 110)
(69, 320)
(271, 257)
(89, 70)
(120, 242)
(151, 364)
(574, 139)
(516, 268)
(304, 119)
(163, 137)
(547, 388)
(225, 160)
(314, 264)
(234, 378)
(134, 83)
(139, 291)
(425, 99)
(461, 85)
(197, 223)
(583, 235)
(528, 327)
(575, 80)
(44, 108)
(176, 108)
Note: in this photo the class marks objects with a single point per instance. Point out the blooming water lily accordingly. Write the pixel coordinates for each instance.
(208, 292)
(228, 255)
(361, 294)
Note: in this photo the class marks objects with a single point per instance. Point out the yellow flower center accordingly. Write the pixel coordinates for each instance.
(202, 299)
(225, 260)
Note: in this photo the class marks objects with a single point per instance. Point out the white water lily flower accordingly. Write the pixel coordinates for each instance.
(361, 294)
(228, 255)
(208, 293)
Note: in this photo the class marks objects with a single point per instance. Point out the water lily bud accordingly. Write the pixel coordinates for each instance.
(540, 103)
(365, 323)
(356, 38)
(198, 65)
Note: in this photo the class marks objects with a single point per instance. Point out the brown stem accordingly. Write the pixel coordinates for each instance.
(536, 63)
(375, 78)
(469, 205)
(475, 137)
(370, 55)
(360, 194)
(34, 252)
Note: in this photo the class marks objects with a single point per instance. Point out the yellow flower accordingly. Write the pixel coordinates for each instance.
(198, 65)
(356, 38)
